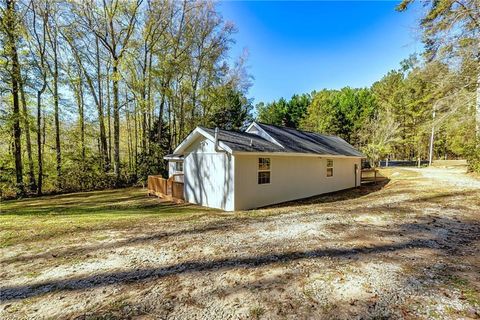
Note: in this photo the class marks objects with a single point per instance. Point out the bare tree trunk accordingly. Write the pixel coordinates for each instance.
(101, 121)
(181, 121)
(478, 100)
(136, 138)
(39, 140)
(32, 185)
(432, 136)
(129, 136)
(41, 131)
(57, 116)
(143, 104)
(10, 23)
(81, 118)
(161, 110)
(116, 122)
(109, 118)
(52, 34)
(149, 97)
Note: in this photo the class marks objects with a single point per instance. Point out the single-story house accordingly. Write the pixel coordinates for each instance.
(263, 165)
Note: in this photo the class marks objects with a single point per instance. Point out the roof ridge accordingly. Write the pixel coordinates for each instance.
(295, 129)
(251, 135)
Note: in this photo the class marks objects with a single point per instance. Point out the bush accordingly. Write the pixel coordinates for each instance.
(473, 157)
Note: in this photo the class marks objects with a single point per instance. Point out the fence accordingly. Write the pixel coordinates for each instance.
(165, 188)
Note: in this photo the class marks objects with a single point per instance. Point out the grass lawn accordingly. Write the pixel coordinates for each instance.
(35, 219)
(407, 248)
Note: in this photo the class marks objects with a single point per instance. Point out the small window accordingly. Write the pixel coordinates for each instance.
(263, 177)
(179, 166)
(263, 170)
(263, 163)
(329, 168)
(329, 172)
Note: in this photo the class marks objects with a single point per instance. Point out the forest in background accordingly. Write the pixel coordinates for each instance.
(435, 94)
(391, 119)
(95, 93)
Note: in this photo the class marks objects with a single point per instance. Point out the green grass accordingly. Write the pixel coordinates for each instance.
(34, 219)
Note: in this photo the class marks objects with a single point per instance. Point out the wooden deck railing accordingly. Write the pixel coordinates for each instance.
(165, 188)
(177, 190)
(371, 175)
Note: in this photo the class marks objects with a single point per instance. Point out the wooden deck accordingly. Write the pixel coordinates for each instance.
(168, 189)
(371, 176)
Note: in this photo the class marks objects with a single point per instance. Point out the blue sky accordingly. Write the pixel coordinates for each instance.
(297, 47)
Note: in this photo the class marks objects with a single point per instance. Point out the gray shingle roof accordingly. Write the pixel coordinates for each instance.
(243, 141)
(309, 142)
(292, 140)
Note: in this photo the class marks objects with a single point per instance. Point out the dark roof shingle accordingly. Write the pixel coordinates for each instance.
(244, 141)
(309, 142)
(292, 140)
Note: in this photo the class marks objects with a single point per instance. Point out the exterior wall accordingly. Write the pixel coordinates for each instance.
(291, 177)
(208, 178)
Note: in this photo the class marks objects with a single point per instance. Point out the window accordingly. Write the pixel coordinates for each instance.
(179, 166)
(263, 170)
(263, 177)
(329, 168)
(263, 163)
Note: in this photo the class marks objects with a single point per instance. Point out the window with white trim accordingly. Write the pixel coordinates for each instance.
(179, 166)
(263, 170)
(329, 168)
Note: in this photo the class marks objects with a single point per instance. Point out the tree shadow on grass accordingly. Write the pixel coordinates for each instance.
(231, 223)
(138, 240)
(429, 239)
(128, 201)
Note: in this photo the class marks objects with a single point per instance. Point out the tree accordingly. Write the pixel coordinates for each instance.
(340, 112)
(10, 25)
(378, 136)
(52, 36)
(38, 47)
(32, 185)
(284, 113)
(154, 69)
(235, 112)
(449, 27)
(113, 25)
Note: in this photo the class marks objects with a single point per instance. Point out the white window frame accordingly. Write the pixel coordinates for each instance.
(269, 170)
(176, 166)
(330, 165)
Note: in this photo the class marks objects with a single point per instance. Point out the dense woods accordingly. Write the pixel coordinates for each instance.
(432, 96)
(94, 93)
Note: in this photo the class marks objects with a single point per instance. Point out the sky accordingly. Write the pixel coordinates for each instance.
(297, 47)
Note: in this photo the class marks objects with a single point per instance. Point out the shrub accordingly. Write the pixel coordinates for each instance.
(473, 157)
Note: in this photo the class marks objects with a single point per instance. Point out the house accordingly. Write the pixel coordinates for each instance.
(263, 165)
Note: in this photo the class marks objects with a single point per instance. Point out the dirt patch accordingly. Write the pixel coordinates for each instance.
(407, 249)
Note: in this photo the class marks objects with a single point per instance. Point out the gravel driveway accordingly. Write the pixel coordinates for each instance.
(407, 249)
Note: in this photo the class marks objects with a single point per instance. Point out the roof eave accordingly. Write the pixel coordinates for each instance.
(297, 154)
(197, 132)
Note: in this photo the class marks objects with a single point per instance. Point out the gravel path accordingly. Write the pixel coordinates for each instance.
(456, 177)
(409, 249)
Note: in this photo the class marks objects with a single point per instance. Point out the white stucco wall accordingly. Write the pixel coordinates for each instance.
(208, 176)
(292, 177)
